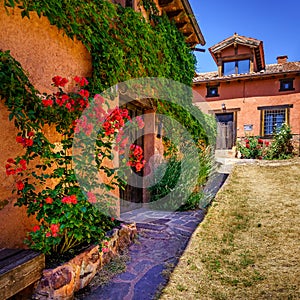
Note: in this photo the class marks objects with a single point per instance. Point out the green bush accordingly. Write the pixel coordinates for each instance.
(168, 178)
(281, 147)
(252, 147)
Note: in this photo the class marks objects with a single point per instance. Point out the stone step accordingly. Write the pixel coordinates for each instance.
(225, 153)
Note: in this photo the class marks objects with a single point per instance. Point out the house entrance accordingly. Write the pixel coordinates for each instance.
(132, 196)
(226, 133)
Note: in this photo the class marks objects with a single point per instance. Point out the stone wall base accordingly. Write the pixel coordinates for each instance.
(63, 281)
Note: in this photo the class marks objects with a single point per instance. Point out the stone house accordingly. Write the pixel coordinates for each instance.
(44, 51)
(248, 97)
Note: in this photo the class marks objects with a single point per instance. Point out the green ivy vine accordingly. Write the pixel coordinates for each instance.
(124, 45)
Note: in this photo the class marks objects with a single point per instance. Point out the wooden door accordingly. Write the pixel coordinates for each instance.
(226, 132)
(133, 193)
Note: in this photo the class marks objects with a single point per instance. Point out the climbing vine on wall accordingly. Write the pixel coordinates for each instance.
(123, 45)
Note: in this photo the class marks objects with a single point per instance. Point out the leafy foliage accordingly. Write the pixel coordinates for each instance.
(68, 214)
(178, 174)
(281, 146)
(124, 45)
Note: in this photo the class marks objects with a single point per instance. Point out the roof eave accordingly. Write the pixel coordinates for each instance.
(194, 22)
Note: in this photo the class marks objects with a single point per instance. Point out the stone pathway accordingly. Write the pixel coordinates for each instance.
(161, 242)
(162, 238)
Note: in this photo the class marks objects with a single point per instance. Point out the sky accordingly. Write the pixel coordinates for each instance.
(276, 23)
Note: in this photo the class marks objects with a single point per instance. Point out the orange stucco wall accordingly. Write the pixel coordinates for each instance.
(248, 95)
(43, 52)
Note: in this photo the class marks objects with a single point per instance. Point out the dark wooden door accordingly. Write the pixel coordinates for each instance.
(226, 133)
(133, 193)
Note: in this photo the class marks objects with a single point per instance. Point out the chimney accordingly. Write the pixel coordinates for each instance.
(282, 59)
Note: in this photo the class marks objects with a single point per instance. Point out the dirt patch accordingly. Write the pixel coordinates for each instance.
(248, 245)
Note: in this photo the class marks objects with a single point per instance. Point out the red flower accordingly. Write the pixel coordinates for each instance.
(84, 94)
(23, 162)
(59, 81)
(47, 102)
(267, 143)
(54, 229)
(36, 228)
(69, 199)
(49, 200)
(24, 141)
(248, 146)
(19, 139)
(48, 234)
(81, 81)
(260, 141)
(20, 185)
(68, 105)
(29, 142)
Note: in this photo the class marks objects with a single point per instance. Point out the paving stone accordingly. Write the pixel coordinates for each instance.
(147, 286)
(127, 276)
(112, 291)
(142, 265)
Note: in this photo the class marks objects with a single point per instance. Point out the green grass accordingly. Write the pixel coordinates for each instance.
(248, 245)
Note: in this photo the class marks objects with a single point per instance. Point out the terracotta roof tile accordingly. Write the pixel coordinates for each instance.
(270, 69)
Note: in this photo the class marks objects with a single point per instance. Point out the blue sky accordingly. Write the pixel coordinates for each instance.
(276, 23)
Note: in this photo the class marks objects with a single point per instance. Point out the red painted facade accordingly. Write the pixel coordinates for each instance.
(256, 96)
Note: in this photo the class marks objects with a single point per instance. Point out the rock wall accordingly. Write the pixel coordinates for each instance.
(63, 281)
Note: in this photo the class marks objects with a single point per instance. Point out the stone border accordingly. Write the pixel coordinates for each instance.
(63, 281)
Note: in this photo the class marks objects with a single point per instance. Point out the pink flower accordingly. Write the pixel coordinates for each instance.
(91, 197)
(140, 122)
(105, 250)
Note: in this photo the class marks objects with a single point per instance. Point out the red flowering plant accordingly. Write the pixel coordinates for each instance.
(46, 180)
(253, 147)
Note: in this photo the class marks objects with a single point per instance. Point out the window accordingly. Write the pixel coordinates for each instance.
(236, 67)
(273, 117)
(212, 91)
(286, 84)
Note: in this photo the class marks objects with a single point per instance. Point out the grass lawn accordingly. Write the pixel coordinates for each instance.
(248, 246)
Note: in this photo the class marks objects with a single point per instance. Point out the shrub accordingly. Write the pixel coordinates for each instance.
(68, 212)
(253, 147)
(174, 180)
(281, 147)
